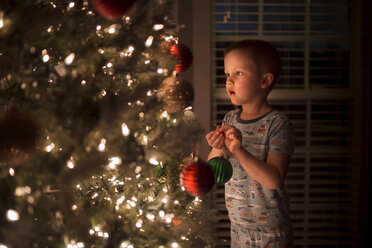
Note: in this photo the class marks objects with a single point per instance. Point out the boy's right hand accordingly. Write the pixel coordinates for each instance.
(216, 138)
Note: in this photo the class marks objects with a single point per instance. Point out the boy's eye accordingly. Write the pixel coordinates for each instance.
(238, 73)
(227, 75)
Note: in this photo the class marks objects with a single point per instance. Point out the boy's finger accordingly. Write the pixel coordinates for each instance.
(227, 127)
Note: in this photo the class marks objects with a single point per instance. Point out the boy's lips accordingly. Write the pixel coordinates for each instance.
(231, 92)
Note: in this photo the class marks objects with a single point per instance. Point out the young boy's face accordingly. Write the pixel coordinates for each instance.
(242, 81)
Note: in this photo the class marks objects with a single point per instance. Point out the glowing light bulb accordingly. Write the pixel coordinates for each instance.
(11, 172)
(158, 27)
(160, 70)
(161, 213)
(2, 245)
(46, 58)
(174, 245)
(74, 207)
(70, 164)
(1, 23)
(91, 232)
(71, 5)
(70, 58)
(139, 224)
(83, 82)
(12, 215)
(149, 41)
(50, 147)
(153, 161)
(120, 200)
(151, 217)
(112, 29)
(99, 27)
(145, 140)
(102, 145)
(165, 200)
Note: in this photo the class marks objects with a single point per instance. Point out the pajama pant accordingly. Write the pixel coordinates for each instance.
(243, 236)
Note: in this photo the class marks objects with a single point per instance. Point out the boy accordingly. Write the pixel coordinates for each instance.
(259, 142)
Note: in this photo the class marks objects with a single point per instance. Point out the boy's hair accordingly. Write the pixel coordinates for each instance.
(264, 56)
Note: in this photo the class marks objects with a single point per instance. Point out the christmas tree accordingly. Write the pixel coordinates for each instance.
(95, 126)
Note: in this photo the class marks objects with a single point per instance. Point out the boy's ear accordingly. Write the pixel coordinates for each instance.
(267, 80)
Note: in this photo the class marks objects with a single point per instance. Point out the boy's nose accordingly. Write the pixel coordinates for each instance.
(229, 81)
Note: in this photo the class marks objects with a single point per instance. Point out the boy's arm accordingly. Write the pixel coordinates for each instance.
(270, 173)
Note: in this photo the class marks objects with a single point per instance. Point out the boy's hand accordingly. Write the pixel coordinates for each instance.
(233, 139)
(216, 138)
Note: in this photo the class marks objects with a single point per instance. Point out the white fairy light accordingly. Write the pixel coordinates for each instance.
(91, 231)
(165, 200)
(112, 29)
(160, 70)
(78, 186)
(158, 27)
(176, 202)
(21, 191)
(145, 140)
(147, 62)
(70, 164)
(70, 58)
(74, 207)
(2, 245)
(102, 145)
(109, 65)
(139, 224)
(138, 169)
(168, 220)
(165, 115)
(11, 172)
(106, 235)
(99, 27)
(151, 217)
(46, 58)
(50, 147)
(96, 228)
(120, 200)
(174, 245)
(150, 198)
(124, 129)
(1, 22)
(100, 234)
(71, 5)
(80, 245)
(153, 161)
(50, 28)
(95, 195)
(161, 213)
(149, 41)
(12, 215)
(83, 82)
(149, 93)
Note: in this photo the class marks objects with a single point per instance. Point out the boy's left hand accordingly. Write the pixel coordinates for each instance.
(233, 138)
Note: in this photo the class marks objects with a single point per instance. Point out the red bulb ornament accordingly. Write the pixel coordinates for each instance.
(112, 9)
(197, 178)
(183, 55)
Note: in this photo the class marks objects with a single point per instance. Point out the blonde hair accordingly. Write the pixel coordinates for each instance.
(264, 56)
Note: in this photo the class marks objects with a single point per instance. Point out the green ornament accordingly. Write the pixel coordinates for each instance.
(222, 169)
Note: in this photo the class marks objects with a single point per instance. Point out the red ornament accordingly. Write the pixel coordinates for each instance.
(183, 56)
(112, 9)
(197, 178)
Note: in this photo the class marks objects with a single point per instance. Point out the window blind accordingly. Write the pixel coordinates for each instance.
(315, 91)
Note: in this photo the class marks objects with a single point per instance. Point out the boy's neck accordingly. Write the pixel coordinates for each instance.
(253, 111)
